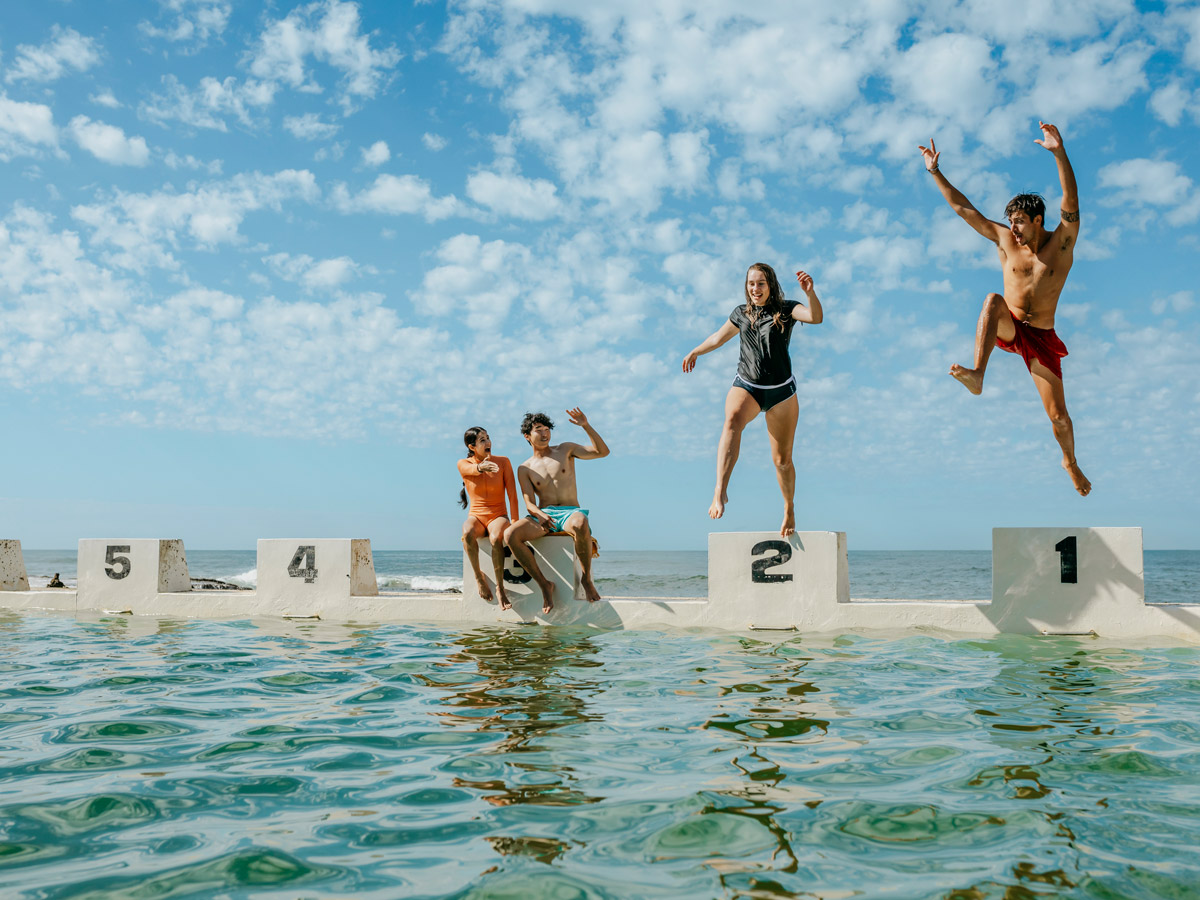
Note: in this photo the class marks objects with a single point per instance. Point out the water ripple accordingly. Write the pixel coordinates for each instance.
(148, 758)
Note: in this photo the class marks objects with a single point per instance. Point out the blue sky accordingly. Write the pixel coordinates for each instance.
(262, 264)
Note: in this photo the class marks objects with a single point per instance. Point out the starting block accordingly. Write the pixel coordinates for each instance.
(12, 567)
(1067, 580)
(762, 580)
(125, 573)
(312, 574)
(555, 555)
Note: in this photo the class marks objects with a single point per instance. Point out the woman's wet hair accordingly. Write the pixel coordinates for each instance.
(470, 436)
(774, 304)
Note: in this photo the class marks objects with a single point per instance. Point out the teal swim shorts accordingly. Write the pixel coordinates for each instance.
(559, 515)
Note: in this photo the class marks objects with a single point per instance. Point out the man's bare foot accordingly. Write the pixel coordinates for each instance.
(505, 603)
(971, 378)
(718, 505)
(547, 596)
(485, 591)
(589, 590)
(1078, 478)
(788, 528)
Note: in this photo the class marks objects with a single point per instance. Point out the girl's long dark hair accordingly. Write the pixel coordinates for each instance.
(774, 305)
(470, 436)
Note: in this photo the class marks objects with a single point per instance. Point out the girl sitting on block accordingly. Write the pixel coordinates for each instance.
(486, 481)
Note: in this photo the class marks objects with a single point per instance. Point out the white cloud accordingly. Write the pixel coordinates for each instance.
(25, 128)
(66, 49)
(947, 74)
(328, 31)
(481, 277)
(313, 274)
(434, 142)
(309, 127)
(107, 99)
(208, 104)
(1139, 183)
(142, 230)
(1170, 102)
(109, 143)
(202, 358)
(190, 21)
(513, 195)
(377, 154)
(174, 161)
(397, 195)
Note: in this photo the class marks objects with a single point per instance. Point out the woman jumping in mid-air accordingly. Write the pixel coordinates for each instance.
(764, 379)
(486, 481)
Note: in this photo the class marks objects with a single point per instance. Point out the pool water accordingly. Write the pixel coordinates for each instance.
(145, 758)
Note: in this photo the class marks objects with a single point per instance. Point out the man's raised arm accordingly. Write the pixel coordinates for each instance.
(598, 449)
(1052, 141)
(958, 202)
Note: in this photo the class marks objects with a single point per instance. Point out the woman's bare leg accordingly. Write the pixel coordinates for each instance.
(495, 532)
(740, 410)
(472, 532)
(781, 429)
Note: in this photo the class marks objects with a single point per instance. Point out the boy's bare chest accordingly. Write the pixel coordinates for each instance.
(548, 471)
(1024, 267)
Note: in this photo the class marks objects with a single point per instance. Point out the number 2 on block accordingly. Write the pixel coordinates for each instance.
(304, 563)
(758, 568)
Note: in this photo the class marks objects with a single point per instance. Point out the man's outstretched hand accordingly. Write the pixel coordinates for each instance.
(1051, 139)
(577, 417)
(929, 155)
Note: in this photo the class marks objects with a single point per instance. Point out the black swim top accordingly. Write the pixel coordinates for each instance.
(764, 356)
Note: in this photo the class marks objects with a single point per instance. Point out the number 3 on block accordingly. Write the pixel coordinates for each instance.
(304, 563)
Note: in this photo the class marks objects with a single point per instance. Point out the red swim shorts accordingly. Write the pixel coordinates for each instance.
(1032, 343)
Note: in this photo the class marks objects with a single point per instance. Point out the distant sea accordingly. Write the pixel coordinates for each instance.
(1172, 576)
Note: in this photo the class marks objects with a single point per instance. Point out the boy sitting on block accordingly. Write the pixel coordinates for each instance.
(547, 481)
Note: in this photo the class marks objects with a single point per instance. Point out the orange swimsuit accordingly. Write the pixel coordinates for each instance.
(486, 490)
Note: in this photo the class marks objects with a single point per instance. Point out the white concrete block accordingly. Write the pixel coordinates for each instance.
(125, 573)
(302, 576)
(555, 555)
(762, 580)
(1067, 580)
(12, 567)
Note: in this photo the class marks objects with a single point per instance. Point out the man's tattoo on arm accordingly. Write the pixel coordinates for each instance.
(1070, 216)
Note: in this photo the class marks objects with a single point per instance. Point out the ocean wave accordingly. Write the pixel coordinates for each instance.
(245, 580)
(429, 583)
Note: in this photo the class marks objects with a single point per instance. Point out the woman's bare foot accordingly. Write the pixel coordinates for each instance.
(505, 603)
(485, 590)
(718, 505)
(972, 379)
(788, 528)
(1078, 478)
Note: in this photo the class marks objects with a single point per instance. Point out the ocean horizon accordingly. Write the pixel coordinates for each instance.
(1171, 576)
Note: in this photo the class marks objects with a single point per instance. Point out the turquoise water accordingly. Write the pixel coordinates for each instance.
(145, 758)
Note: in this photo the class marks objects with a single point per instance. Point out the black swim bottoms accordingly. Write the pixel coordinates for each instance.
(766, 397)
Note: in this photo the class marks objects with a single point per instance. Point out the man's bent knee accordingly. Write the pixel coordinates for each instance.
(576, 523)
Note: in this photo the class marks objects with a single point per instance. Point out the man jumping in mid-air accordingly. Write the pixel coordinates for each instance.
(1035, 263)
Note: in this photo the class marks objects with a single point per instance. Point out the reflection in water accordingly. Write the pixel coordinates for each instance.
(531, 688)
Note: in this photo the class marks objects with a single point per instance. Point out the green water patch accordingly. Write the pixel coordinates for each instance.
(118, 731)
(711, 833)
(247, 869)
(103, 812)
